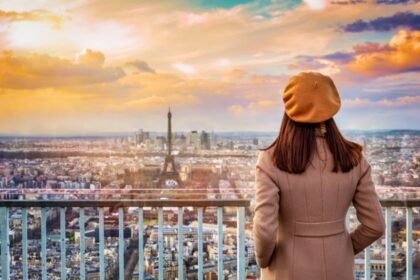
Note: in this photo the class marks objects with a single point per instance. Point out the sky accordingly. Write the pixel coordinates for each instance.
(99, 66)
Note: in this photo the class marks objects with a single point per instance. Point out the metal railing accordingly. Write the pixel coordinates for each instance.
(388, 204)
(240, 204)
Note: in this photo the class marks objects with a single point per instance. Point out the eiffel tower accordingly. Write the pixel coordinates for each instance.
(169, 172)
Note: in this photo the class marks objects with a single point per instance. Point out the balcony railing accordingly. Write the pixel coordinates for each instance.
(240, 204)
(408, 204)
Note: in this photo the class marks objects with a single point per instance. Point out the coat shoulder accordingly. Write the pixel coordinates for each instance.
(265, 157)
(266, 162)
(363, 166)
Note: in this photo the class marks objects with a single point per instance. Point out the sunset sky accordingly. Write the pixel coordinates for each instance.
(85, 67)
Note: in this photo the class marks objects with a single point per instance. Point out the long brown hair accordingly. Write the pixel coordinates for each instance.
(296, 144)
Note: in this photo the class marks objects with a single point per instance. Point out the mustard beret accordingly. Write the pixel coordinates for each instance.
(311, 97)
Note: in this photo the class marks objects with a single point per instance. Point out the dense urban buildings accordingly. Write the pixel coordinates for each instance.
(210, 165)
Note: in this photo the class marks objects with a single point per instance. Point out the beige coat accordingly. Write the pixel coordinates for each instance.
(299, 222)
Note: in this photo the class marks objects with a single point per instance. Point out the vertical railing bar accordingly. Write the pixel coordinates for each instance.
(121, 242)
(220, 243)
(388, 244)
(43, 243)
(101, 245)
(4, 212)
(200, 243)
(141, 246)
(409, 240)
(63, 242)
(240, 230)
(25, 243)
(160, 242)
(82, 243)
(367, 263)
(180, 244)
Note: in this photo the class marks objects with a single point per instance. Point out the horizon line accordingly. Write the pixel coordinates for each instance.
(119, 134)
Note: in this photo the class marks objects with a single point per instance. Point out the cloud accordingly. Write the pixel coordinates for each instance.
(43, 71)
(316, 4)
(395, 2)
(185, 68)
(320, 64)
(401, 55)
(306, 62)
(342, 57)
(385, 2)
(262, 104)
(141, 66)
(399, 20)
(253, 108)
(36, 15)
(154, 101)
(347, 2)
(370, 47)
(401, 83)
(91, 58)
(402, 101)
(239, 57)
(268, 79)
(236, 110)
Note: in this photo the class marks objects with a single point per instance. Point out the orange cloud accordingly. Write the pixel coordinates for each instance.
(236, 110)
(402, 55)
(43, 71)
(91, 57)
(253, 108)
(36, 15)
(263, 104)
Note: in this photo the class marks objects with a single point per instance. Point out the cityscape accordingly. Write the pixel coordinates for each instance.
(181, 165)
(130, 131)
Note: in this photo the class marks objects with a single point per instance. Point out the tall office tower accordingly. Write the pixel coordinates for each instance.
(193, 139)
(169, 172)
(205, 140)
(213, 140)
(139, 137)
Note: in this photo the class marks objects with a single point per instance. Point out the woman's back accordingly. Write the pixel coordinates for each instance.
(299, 222)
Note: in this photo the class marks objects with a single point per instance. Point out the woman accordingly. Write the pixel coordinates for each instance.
(305, 182)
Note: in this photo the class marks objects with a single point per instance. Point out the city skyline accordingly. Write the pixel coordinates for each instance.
(88, 67)
(96, 172)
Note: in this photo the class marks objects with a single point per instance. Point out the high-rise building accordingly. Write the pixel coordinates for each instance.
(205, 140)
(141, 136)
(213, 140)
(193, 140)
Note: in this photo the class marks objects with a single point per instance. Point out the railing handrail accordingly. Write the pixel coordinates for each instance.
(127, 203)
(165, 203)
(410, 202)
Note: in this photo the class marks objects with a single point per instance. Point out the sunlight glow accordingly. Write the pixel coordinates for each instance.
(316, 4)
(27, 34)
(185, 68)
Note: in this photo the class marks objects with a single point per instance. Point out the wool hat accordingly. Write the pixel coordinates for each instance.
(311, 97)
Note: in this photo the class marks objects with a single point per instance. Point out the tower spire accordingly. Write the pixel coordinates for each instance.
(169, 171)
(169, 132)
